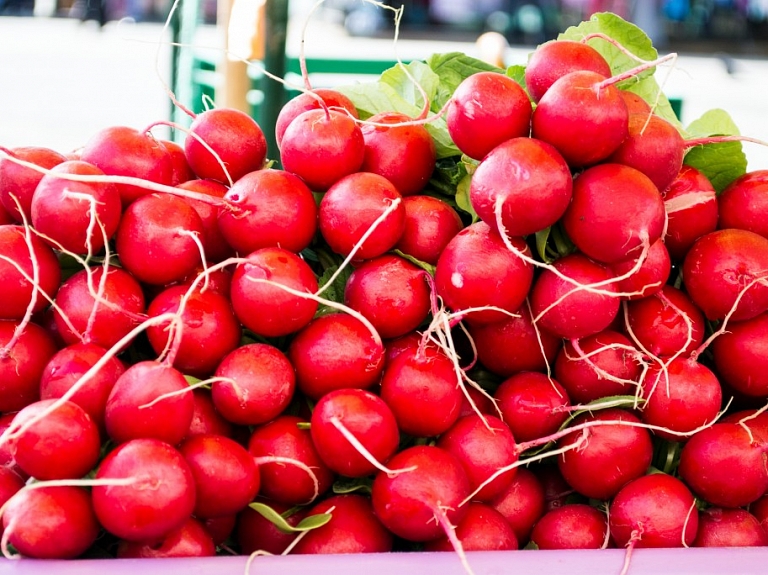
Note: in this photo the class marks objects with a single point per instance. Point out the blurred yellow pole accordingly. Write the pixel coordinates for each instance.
(232, 91)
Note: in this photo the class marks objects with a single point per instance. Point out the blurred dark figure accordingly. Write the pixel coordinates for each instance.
(17, 7)
(85, 10)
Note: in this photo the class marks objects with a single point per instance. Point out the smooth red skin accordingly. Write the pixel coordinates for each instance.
(209, 329)
(160, 501)
(65, 444)
(658, 509)
(744, 203)
(67, 221)
(423, 392)
(482, 529)
(235, 137)
(349, 209)
(219, 281)
(635, 103)
(653, 146)
(268, 310)
(482, 452)
(21, 369)
(215, 245)
(408, 342)
(685, 226)
(283, 482)
(18, 183)
(683, 399)
(220, 529)
(6, 457)
(154, 241)
(521, 503)
(264, 384)
(404, 154)
(269, 208)
(353, 528)
(408, 504)
(532, 181)
(112, 322)
(5, 217)
(181, 172)
(333, 352)
(759, 509)
(650, 278)
(613, 207)
(367, 417)
(613, 455)
(486, 109)
(167, 420)
(741, 356)
(189, 540)
(757, 424)
(430, 224)
(729, 528)
(226, 476)
(322, 148)
(554, 59)
(205, 419)
(579, 313)
(124, 151)
(574, 526)
(51, 522)
(68, 365)
(532, 404)
(719, 266)
(256, 533)
(582, 382)
(661, 329)
(10, 483)
(724, 467)
(585, 123)
(305, 102)
(393, 312)
(476, 269)
(482, 403)
(17, 291)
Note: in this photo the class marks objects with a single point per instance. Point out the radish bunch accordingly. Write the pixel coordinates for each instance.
(453, 330)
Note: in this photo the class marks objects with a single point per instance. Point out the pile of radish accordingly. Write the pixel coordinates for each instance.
(502, 309)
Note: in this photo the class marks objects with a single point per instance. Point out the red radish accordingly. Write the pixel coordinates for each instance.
(335, 351)
(305, 102)
(215, 245)
(482, 529)
(349, 210)
(521, 503)
(269, 208)
(530, 180)
(129, 414)
(532, 404)
(430, 224)
(655, 510)
(6, 458)
(23, 363)
(50, 522)
(613, 455)
(575, 526)
(404, 154)
(353, 528)
(481, 403)
(486, 109)
(556, 58)
(208, 329)
(218, 280)
(156, 494)
(266, 309)
(158, 239)
(394, 347)
(254, 384)
(364, 416)
(234, 136)
(692, 211)
(635, 103)
(124, 151)
(477, 270)
(10, 483)
(743, 204)
(189, 540)
(723, 266)
(759, 509)
(417, 505)
(604, 365)
(254, 532)
(297, 483)
(321, 147)
(102, 322)
(5, 217)
(615, 212)
(649, 278)
(40, 272)
(63, 444)
(181, 170)
(557, 491)
(729, 528)
(741, 356)
(18, 183)
(392, 313)
(226, 477)
(205, 419)
(570, 309)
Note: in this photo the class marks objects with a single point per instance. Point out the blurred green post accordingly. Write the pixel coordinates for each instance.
(274, 63)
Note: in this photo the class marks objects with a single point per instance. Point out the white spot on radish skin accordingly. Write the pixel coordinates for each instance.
(457, 280)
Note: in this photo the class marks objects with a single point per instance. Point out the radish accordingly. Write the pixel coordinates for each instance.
(311, 101)
(181, 170)
(759, 509)
(557, 491)
(741, 354)
(5, 217)
(743, 203)
(532, 404)
(205, 419)
(189, 540)
(482, 529)
(18, 183)
(254, 532)
(635, 103)
(22, 363)
(729, 528)
(575, 526)
(214, 243)
(430, 224)
(650, 277)
(521, 503)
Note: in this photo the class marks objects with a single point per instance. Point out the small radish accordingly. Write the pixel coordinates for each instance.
(521, 503)
(215, 245)
(482, 529)
(744, 202)
(254, 532)
(18, 183)
(741, 356)
(189, 540)
(557, 491)
(729, 528)
(305, 102)
(205, 419)
(635, 103)
(22, 365)
(220, 529)
(430, 224)
(575, 526)
(181, 170)
(649, 278)
(532, 404)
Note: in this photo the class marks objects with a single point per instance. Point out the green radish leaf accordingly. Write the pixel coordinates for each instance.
(453, 68)
(306, 524)
(517, 73)
(462, 198)
(334, 292)
(192, 380)
(447, 175)
(405, 87)
(604, 403)
(345, 485)
(531, 546)
(429, 268)
(648, 89)
(541, 245)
